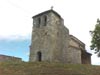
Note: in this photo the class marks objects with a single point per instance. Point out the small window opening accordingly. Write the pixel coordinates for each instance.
(45, 20)
(39, 56)
(39, 20)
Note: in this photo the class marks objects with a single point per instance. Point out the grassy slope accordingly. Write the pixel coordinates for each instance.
(44, 68)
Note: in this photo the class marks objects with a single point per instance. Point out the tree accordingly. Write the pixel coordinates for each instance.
(95, 42)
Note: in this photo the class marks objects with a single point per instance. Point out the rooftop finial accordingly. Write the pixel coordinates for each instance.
(51, 7)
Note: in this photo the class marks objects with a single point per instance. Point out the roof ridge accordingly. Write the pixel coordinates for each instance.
(51, 10)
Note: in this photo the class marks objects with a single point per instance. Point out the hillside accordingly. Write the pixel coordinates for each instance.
(43, 68)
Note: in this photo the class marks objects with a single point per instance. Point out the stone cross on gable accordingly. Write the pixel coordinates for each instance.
(51, 7)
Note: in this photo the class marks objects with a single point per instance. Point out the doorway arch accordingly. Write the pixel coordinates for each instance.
(39, 56)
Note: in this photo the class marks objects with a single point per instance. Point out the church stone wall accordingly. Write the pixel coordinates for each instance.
(74, 55)
(77, 52)
(43, 40)
(51, 40)
(4, 58)
(61, 37)
(86, 58)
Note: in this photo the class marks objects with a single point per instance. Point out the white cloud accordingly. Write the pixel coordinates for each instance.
(27, 53)
(14, 23)
(15, 37)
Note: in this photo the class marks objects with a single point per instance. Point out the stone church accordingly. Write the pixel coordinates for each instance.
(51, 41)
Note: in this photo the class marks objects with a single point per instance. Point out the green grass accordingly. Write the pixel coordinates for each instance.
(44, 68)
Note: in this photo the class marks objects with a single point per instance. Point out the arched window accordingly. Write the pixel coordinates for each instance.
(45, 20)
(39, 56)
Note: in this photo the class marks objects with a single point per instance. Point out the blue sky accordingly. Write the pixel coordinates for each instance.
(17, 48)
(16, 22)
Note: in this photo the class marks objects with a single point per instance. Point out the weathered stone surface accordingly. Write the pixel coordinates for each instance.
(51, 40)
(5, 58)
